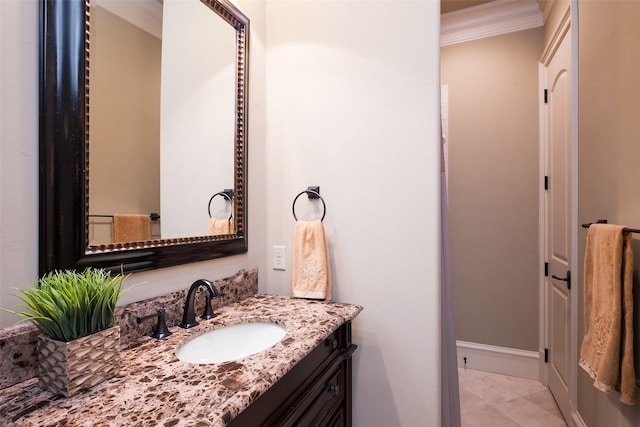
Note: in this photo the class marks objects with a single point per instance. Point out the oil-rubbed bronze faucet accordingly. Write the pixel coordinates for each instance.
(189, 317)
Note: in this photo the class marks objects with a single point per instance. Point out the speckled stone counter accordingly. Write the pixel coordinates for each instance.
(155, 388)
(18, 344)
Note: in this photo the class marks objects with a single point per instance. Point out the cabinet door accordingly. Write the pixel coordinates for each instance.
(291, 397)
(329, 395)
(339, 418)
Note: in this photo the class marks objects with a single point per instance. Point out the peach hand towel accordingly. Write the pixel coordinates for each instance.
(219, 227)
(131, 228)
(311, 265)
(607, 346)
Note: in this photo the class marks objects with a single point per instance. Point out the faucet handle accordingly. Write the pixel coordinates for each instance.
(208, 311)
(161, 330)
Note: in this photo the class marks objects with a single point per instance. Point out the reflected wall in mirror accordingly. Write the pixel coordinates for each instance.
(176, 129)
(183, 75)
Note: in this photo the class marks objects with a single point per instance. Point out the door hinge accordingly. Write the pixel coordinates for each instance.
(546, 355)
(546, 182)
(546, 269)
(546, 96)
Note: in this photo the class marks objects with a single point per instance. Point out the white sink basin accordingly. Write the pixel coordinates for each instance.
(230, 343)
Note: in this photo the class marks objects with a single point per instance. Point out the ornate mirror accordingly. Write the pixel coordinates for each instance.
(200, 165)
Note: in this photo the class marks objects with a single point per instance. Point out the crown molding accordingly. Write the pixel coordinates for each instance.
(545, 7)
(144, 14)
(557, 35)
(489, 19)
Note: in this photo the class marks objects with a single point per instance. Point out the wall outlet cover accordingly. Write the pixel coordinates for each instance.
(279, 257)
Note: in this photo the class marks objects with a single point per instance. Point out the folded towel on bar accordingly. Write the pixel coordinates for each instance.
(219, 227)
(131, 228)
(311, 265)
(607, 347)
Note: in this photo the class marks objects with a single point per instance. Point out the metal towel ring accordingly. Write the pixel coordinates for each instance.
(227, 195)
(312, 195)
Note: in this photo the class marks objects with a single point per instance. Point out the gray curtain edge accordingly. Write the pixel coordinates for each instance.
(450, 393)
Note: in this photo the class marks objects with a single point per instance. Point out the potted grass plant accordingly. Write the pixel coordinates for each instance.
(79, 343)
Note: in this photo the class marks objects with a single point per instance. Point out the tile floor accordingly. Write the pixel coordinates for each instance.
(495, 400)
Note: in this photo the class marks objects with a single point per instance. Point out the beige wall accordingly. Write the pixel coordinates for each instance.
(609, 158)
(493, 187)
(125, 136)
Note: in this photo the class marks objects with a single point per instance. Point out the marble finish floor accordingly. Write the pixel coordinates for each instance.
(495, 400)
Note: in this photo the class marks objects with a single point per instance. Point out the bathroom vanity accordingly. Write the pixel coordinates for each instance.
(316, 392)
(305, 379)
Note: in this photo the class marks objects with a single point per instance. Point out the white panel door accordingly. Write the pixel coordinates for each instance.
(558, 114)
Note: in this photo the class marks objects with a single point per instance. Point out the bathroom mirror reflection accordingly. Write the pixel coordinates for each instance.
(187, 82)
(175, 130)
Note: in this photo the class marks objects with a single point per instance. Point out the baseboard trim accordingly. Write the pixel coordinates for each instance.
(577, 420)
(499, 360)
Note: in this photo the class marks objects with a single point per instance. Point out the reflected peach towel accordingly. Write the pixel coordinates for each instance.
(219, 227)
(311, 265)
(607, 346)
(131, 228)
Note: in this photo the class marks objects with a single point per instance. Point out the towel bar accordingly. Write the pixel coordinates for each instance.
(227, 194)
(153, 216)
(312, 193)
(604, 221)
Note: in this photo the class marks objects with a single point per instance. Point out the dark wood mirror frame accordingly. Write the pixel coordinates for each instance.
(64, 153)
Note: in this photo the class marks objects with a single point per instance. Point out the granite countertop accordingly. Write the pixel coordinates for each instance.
(155, 388)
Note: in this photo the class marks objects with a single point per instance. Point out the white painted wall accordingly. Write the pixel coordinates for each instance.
(197, 116)
(352, 106)
(18, 149)
(350, 93)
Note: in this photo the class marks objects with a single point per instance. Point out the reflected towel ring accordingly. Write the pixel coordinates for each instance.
(312, 194)
(227, 194)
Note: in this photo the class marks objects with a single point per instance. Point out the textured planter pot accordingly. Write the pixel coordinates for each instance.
(68, 367)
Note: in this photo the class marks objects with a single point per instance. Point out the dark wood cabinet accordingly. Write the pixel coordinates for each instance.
(315, 392)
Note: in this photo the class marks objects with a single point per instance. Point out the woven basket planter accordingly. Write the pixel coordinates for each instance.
(68, 367)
